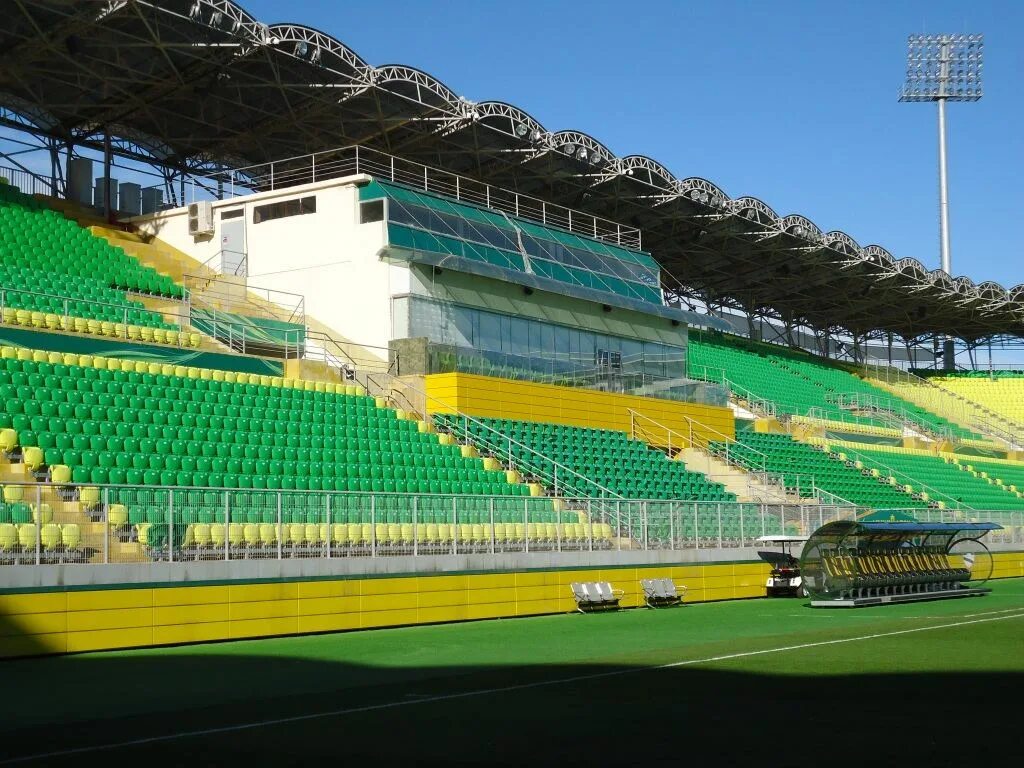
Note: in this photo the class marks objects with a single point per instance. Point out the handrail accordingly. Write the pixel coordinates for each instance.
(756, 402)
(932, 492)
(566, 471)
(882, 406)
(1010, 433)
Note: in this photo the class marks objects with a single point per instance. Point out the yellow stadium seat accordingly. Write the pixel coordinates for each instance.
(380, 532)
(159, 335)
(54, 358)
(134, 333)
(52, 321)
(27, 536)
(89, 496)
(217, 535)
(294, 533)
(49, 536)
(38, 320)
(9, 315)
(251, 534)
(70, 535)
(8, 440)
(201, 534)
(355, 534)
(121, 330)
(80, 325)
(42, 514)
(311, 533)
(166, 370)
(94, 327)
(268, 534)
(13, 494)
(365, 533)
(59, 473)
(8, 353)
(117, 515)
(24, 354)
(236, 534)
(339, 534)
(32, 457)
(142, 533)
(194, 340)
(8, 537)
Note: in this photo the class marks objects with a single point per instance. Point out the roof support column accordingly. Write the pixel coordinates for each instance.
(107, 161)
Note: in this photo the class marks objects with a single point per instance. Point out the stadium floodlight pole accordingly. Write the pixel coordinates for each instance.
(943, 68)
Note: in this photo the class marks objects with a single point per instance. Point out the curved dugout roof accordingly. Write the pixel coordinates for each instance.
(205, 84)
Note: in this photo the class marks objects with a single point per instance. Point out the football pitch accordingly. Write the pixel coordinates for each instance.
(771, 682)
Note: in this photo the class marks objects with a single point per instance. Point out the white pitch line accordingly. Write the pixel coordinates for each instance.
(482, 692)
(991, 613)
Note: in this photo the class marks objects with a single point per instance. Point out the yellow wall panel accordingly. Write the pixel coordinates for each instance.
(264, 627)
(328, 622)
(109, 638)
(81, 621)
(33, 645)
(491, 581)
(443, 583)
(442, 613)
(109, 618)
(449, 597)
(264, 609)
(489, 397)
(389, 586)
(261, 592)
(389, 618)
(33, 602)
(190, 633)
(109, 599)
(385, 602)
(314, 606)
(190, 614)
(33, 624)
(190, 596)
(316, 589)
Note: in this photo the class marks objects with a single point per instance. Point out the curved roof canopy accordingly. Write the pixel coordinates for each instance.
(197, 82)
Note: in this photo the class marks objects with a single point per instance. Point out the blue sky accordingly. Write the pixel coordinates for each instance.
(792, 102)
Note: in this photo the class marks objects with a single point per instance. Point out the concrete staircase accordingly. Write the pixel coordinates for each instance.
(744, 485)
(69, 510)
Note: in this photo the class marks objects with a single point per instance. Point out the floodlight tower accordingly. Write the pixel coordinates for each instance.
(943, 68)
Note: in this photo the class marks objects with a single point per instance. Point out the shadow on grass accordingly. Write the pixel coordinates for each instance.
(416, 716)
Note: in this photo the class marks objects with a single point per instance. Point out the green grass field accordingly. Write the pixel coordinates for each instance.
(767, 681)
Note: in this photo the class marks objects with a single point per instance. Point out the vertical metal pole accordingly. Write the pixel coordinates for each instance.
(330, 527)
(455, 511)
(39, 523)
(170, 527)
(491, 510)
(415, 527)
(106, 525)
(526, 524)
(109, 214)
(618, 525)
(373, 526)
(279, 531)
(672, 528)
(227, 526)
(590, 525)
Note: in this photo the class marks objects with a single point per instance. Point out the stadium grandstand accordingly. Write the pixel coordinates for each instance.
(290, 343)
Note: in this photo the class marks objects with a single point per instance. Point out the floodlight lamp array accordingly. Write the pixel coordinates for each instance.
(943, 67)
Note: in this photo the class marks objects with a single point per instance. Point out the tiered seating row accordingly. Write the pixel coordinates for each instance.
(609, 459)
(804, 466)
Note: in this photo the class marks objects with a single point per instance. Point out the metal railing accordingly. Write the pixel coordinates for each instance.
(27, 182)
(870, 462)
(751, 462)
(353, 160)
(972, 414)
(132, 524)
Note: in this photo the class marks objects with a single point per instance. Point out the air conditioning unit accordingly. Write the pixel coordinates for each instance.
(200, 218)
